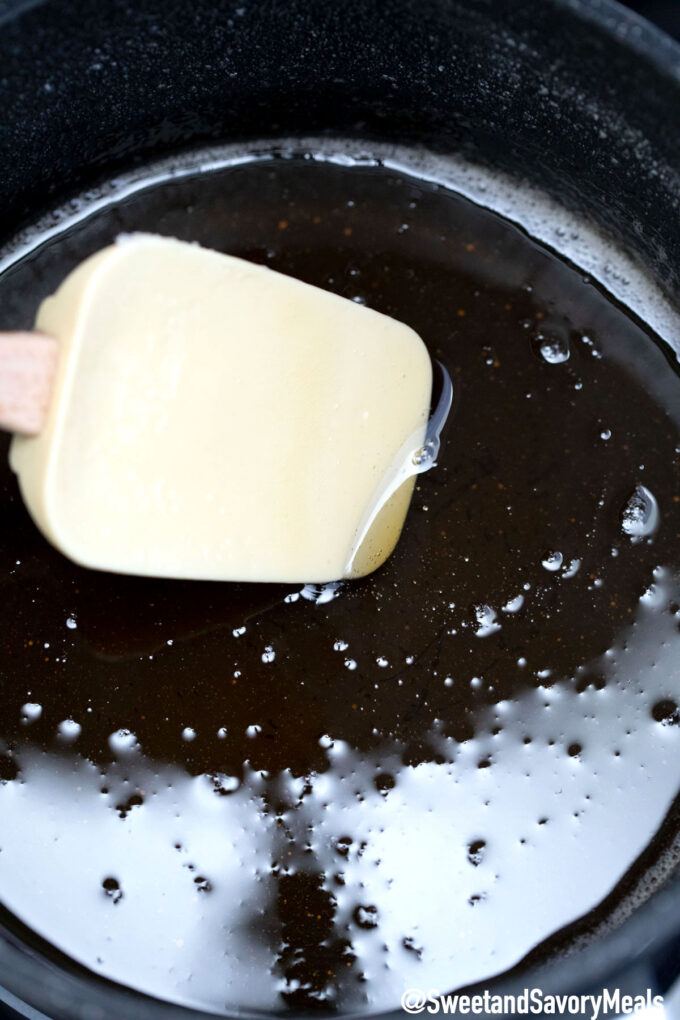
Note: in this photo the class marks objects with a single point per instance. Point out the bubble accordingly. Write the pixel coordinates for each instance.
(595, 351)
(321, 593)
(123, 741)
(486, 621)
(666, 712)
(222, 784)
(342, 846)
(31, 711)
(553, 349)
(384, 782)
(112, 889)
(71, 622)
(69, 730)
(188, 733)
(514, 605)
(476, 852)
(553, 561)
(640, 515)
(366, 917)
(425, 455)
(125, 807)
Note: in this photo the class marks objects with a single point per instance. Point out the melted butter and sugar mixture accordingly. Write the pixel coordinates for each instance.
(272, 798)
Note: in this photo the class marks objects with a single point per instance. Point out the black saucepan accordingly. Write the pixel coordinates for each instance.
(578, 97)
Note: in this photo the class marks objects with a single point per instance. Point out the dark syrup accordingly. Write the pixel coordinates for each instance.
(248, 796)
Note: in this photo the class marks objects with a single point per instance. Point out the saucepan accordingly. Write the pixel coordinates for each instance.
(578, 99)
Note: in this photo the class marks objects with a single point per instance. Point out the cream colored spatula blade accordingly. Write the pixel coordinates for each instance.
(214, 419)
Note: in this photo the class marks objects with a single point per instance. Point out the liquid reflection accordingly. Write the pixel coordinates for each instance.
(355, 880)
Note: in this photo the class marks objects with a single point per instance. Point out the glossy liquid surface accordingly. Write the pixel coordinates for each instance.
(251, 796)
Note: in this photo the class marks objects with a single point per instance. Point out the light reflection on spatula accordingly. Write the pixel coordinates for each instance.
(415, 456)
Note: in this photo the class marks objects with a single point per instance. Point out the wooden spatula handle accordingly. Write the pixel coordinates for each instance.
(27, 365)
